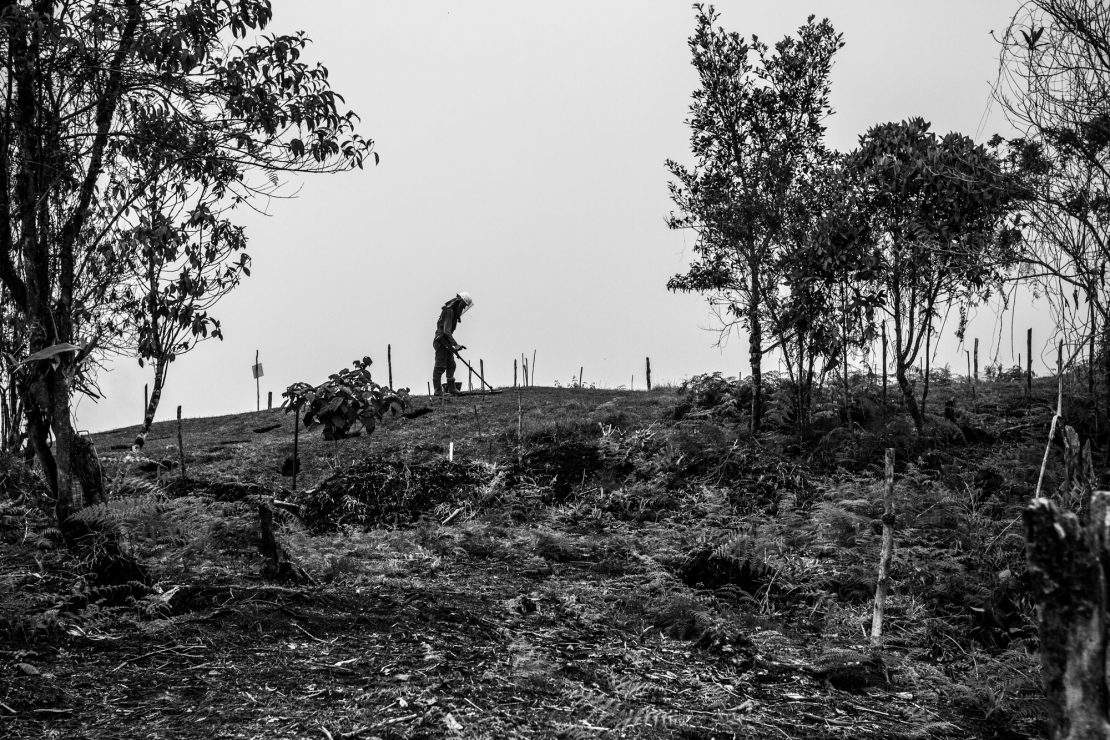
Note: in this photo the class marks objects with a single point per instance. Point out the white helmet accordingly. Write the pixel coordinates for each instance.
(467, 301)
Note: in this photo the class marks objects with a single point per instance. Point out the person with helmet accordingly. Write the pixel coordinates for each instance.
(450, 316)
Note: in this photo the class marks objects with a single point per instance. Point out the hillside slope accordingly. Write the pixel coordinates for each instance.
(589, 563)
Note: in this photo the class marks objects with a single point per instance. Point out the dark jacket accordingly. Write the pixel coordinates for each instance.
(449, 318)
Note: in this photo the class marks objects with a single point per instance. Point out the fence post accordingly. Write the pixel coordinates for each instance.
(885, 554)
(647, 362)
(1029, 362)
(146, 400)
(482, 369)
(884, 371)
(181, 447)
(976, 365)
(296, 440)
(514, 372)
(269, 399)
(389, 362)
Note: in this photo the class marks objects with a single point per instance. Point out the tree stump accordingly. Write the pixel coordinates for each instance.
(1068, 563)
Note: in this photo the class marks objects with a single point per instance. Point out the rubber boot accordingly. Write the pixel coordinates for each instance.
(449, 387)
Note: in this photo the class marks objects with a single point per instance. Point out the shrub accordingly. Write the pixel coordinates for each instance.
(345, 399)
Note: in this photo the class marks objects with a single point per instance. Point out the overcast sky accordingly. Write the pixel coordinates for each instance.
(522, 159)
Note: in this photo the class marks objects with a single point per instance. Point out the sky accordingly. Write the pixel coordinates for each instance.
(522, 155)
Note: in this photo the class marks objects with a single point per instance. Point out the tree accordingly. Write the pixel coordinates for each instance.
(93, 93)
(826, 304)
(1054, 85)
(936, 207)
(186, 258)
(825, 307)
(756, 122)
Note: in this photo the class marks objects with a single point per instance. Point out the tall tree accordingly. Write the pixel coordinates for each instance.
(937, 207)
(90, 90)
(1054, 86)
(757, 120)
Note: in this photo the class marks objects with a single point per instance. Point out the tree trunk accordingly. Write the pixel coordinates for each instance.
(755, 353)
(1068, 566)
(908, 396)
(925, 378)
(152, 405)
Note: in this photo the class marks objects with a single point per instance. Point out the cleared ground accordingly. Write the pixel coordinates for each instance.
(628, 565)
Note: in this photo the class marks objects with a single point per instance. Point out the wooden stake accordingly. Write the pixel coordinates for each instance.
(976, 356)
(532, 367)
(296, 440)
(257, 385)
(181, 446)
(969, 376)
(146, 400)
(1029, 362)
(884, 369)
(482, 369)
(514, 372)
(429, 387)
(885, 554)
(389, 362)
(269, 399)
(580, 377)
(470, 379)
(647, 363)
(1055, 418)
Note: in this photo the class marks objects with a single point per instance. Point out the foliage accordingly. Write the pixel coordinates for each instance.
(105, 106)
(756, 123)
(347, 398)
(936, 208)
(1054, 87)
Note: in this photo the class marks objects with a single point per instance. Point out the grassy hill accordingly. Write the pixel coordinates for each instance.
(589, 563)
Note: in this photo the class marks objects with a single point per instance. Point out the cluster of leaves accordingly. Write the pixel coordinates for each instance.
(346, 399)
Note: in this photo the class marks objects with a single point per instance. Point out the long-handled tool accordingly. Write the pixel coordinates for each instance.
(487, 385)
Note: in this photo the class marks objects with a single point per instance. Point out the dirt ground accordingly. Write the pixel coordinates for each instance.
(518, 609)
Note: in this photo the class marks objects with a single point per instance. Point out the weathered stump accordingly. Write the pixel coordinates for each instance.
(1069, 565)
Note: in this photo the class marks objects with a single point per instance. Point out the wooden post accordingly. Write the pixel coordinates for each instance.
(647, 363)
(514, 372)
(885, 554)
(524, 369)
(389, 362)
(257, 385)
(181, 446)
(429, 387)
(580, 376)
(1067, 567)
(269, 399)
(296, 440)
(470, 378)
(976, 357)
(482, 369)
(532, 367)
(1029, 362)
(969, 377)
(884, 370)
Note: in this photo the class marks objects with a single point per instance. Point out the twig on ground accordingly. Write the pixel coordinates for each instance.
(175, 648)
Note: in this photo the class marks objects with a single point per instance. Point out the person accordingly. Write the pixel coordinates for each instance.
(450, 316)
